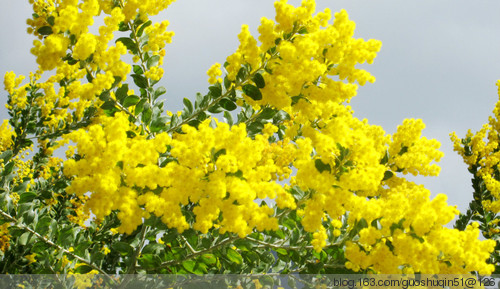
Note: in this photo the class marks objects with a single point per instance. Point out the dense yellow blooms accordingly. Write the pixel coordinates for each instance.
(227, 185)
(4, 237)
(304, 65)
(6, 134)
(214, 73)
(481, 150)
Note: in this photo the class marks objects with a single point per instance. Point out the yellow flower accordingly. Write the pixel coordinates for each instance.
(31, 258)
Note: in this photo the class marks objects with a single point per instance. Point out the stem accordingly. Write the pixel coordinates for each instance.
(133, 266)
(191, 256)
(188, 245)
(50, 243)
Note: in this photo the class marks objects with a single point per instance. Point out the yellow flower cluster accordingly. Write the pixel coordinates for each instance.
(305, 55)
(6, 134)
(412, 153)
(348, 167)
(481, 149)
(214, 73)
(224, 174)
(4, 237)
(143, 8)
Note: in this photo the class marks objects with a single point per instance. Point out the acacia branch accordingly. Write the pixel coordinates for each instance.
(52, 244)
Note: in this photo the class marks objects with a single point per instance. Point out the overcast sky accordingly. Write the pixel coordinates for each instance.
(439, 62)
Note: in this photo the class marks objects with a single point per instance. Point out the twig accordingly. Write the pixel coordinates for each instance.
(50, 243)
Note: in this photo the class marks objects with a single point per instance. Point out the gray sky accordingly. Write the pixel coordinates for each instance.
(439, 62)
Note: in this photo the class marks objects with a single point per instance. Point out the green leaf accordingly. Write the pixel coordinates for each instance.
(23, 240)
(159, 91)
(143, 26)
(27, 197)
(131, 100)
(153, 61)
(388, 175)
(255, 128)
(252, 91)
(227, 82)
(6, 155)
(108, 105)
(208, 259)
(140, 106)
(217, 154)
(8, 168)
(147, 114)
(188, 105)
(227, 104)
(281, 251)
(66, 236)
(229, 118)
(51, 20)
(189, 265)
(140, 80)
(45, 30)
(242, 73)
(121, 93)
(234, 256)
(123, 26)
(137, 69)
(321, 167)
(123, 248)
(215, 90)
(215, 108)
(259, 80)
(267, 113)
(43, 225)
(129, 43)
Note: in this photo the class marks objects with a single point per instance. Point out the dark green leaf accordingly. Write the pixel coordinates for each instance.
(50, 20)
(147, 114)
(131, 100)
(252, 91)
(242, 73)
(45, 30)
(227, 104)
(227, 83)
(255, 127)
(129, 43)
(267, 113)
(259, 80)
(121, 93)
(123, 26)
(215, 90)
(143, 26)
(321, 167)
(123, 248)
(140, 106)
(388, 175)
(137, 69)
(215, 108)
(140, 80)
(218, 154)
(303, 30)
(108, 105)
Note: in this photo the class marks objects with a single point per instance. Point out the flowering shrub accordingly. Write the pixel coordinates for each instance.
(289, 180)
